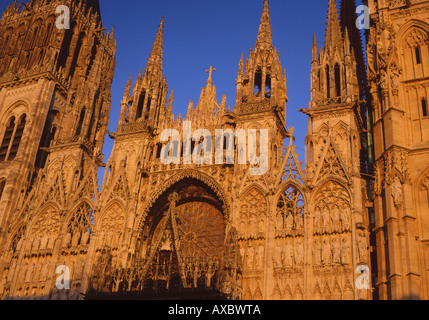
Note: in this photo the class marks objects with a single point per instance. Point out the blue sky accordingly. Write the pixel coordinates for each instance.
(199, 34)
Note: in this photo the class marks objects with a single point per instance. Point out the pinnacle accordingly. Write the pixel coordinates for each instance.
(265, 39)
(241, 66)
(128, 87)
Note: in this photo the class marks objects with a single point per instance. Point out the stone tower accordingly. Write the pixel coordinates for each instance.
(398, 66)
(55, 105)
(333, 147)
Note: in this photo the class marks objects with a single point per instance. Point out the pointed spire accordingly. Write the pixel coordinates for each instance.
(348, 17)
(112, 33)
(265, 38)
(128, 88)
(156, 55)
(170, 102)
(241, 66)
(314, 50)
(333, 30)
(171, 97)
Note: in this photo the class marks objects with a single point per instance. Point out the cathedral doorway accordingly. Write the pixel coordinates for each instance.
(183, 241)
(181, 249)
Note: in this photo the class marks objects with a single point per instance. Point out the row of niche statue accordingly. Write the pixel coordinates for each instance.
(331, 221)
(331, 252)
(36, 243)
(290, 222)
(45, 271)
(325, 252)
(71, 240)
(289, 255)
(254, 257)
(47, 242)
(75, 238)
(254, 228)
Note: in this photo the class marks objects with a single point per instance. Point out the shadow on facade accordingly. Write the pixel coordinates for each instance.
(176, 294)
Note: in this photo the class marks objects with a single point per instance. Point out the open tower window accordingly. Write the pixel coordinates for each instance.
(12, 138)
(258, 83)
(418, 55)
(338, 80)
(268, 86)
(424, 107)
(328, 83)
(17, 137)
(4, 147)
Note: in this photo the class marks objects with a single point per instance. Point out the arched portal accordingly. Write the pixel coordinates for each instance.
(187, 246)
(179, 249)
(183, 238)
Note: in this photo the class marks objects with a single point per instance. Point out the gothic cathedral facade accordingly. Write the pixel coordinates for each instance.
(358, 208)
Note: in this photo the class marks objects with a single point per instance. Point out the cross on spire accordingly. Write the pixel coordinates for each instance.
(210, 71)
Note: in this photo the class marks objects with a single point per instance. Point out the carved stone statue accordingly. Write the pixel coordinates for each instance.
(66, 240)
(335, 219)
(76, 238)
(317, 253)
(325, 220)
(250, 256)
(261, 226)
(345, 252)
(242, 227)
(344, 218)
(316, 221)
(44, 242)
(29, 273)
(362, 248)
(260, 257)
(326, 253)
(383, 77)
(394, 77)
(289, 223)
(252, 227)
(44, 271)
(85, 238)
(288, 255)
(277, 256)
(279, 222)
(397, 192)
(299, 220)
(299, 254)
(336, 251)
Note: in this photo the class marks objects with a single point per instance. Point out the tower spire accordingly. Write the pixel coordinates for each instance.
(348, 17)
(156, 55)
(333, 30)
(265, 38)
